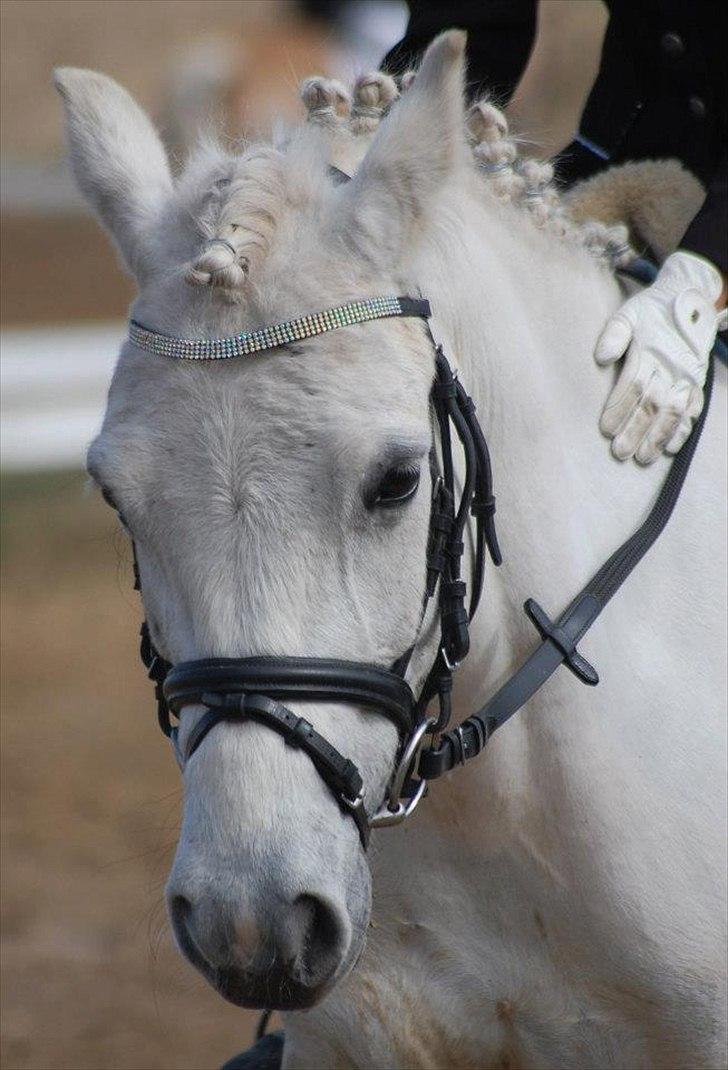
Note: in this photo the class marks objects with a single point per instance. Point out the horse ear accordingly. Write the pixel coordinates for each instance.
(416, 148)
(118, 159)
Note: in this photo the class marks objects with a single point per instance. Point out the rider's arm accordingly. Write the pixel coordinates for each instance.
(500, 38)
(707, 235)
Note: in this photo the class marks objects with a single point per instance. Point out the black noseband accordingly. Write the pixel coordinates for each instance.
(240, 689)
(312, 679)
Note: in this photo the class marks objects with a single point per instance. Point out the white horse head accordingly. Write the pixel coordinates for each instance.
(257, 491)
(259, 496)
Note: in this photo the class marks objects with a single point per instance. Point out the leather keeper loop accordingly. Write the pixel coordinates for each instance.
(455, 589)
(300, 733)
(484, 507)
(445, 391)
(457, 642)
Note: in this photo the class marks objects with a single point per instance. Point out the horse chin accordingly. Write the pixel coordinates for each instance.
(273, 989)
(250, 994)
(277, 993)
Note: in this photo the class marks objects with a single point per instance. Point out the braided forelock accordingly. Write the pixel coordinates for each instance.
(237, 217)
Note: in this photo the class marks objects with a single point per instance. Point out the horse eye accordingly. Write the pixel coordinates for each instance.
(397, 485)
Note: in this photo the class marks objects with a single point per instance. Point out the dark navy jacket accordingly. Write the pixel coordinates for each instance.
(661, 91)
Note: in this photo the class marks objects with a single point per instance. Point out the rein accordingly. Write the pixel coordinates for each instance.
(254, 688)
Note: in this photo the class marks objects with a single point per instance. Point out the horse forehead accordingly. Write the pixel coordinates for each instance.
(361, 391)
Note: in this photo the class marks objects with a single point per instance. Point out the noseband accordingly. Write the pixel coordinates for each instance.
(256, 688)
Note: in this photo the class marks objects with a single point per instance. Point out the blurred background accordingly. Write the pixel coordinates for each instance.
(91, 793)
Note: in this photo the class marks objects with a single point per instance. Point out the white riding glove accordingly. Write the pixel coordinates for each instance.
(667, 331)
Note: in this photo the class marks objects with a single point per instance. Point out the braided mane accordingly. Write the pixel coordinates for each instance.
(245, 192)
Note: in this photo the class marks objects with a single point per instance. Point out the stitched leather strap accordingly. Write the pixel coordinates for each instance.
(469, 738)
(339, 773)
(311, 679)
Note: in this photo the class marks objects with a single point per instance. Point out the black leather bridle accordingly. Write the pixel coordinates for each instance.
(256, 688)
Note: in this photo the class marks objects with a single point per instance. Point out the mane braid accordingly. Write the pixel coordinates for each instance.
(245, 193)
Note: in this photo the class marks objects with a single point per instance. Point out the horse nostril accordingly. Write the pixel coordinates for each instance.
(182, 915)
(312, 939)
(180, 908)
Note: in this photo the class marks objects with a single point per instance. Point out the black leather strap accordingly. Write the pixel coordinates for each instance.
(337, 176)
(414, 306)
(157, 668)
(309, 679)
(469, 738)
(455, 410)
(339, 773)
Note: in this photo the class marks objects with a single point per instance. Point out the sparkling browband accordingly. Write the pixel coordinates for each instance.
(279, 334)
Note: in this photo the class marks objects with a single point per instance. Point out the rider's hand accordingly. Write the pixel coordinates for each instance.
(667, 331)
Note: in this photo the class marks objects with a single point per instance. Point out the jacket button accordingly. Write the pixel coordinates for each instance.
(697, 107)
(673, 45)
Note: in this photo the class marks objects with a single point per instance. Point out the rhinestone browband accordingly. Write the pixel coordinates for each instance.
(279, 334)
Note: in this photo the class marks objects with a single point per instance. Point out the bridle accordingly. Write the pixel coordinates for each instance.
(256, 688)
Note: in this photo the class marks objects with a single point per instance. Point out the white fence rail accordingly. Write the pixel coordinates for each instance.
(54, 382)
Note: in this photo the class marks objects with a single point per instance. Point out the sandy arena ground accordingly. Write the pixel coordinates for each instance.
(91, 798)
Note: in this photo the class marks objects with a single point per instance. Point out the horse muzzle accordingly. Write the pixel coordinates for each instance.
(275, 954)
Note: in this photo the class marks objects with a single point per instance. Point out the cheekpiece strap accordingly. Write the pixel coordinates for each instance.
(278, 334)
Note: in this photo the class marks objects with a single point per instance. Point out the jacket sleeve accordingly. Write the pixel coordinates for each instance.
(500, 38)
(708, 232)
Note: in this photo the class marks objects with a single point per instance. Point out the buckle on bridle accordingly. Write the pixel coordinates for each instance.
(395, 810)
(356, 803)
(451, 666)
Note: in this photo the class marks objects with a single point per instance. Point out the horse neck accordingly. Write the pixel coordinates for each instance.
(518, 309)
(519, 312)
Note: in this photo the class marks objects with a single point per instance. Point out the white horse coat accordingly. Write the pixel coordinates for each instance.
(560, 901)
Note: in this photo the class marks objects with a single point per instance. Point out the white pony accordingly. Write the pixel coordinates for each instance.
(559, 902)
